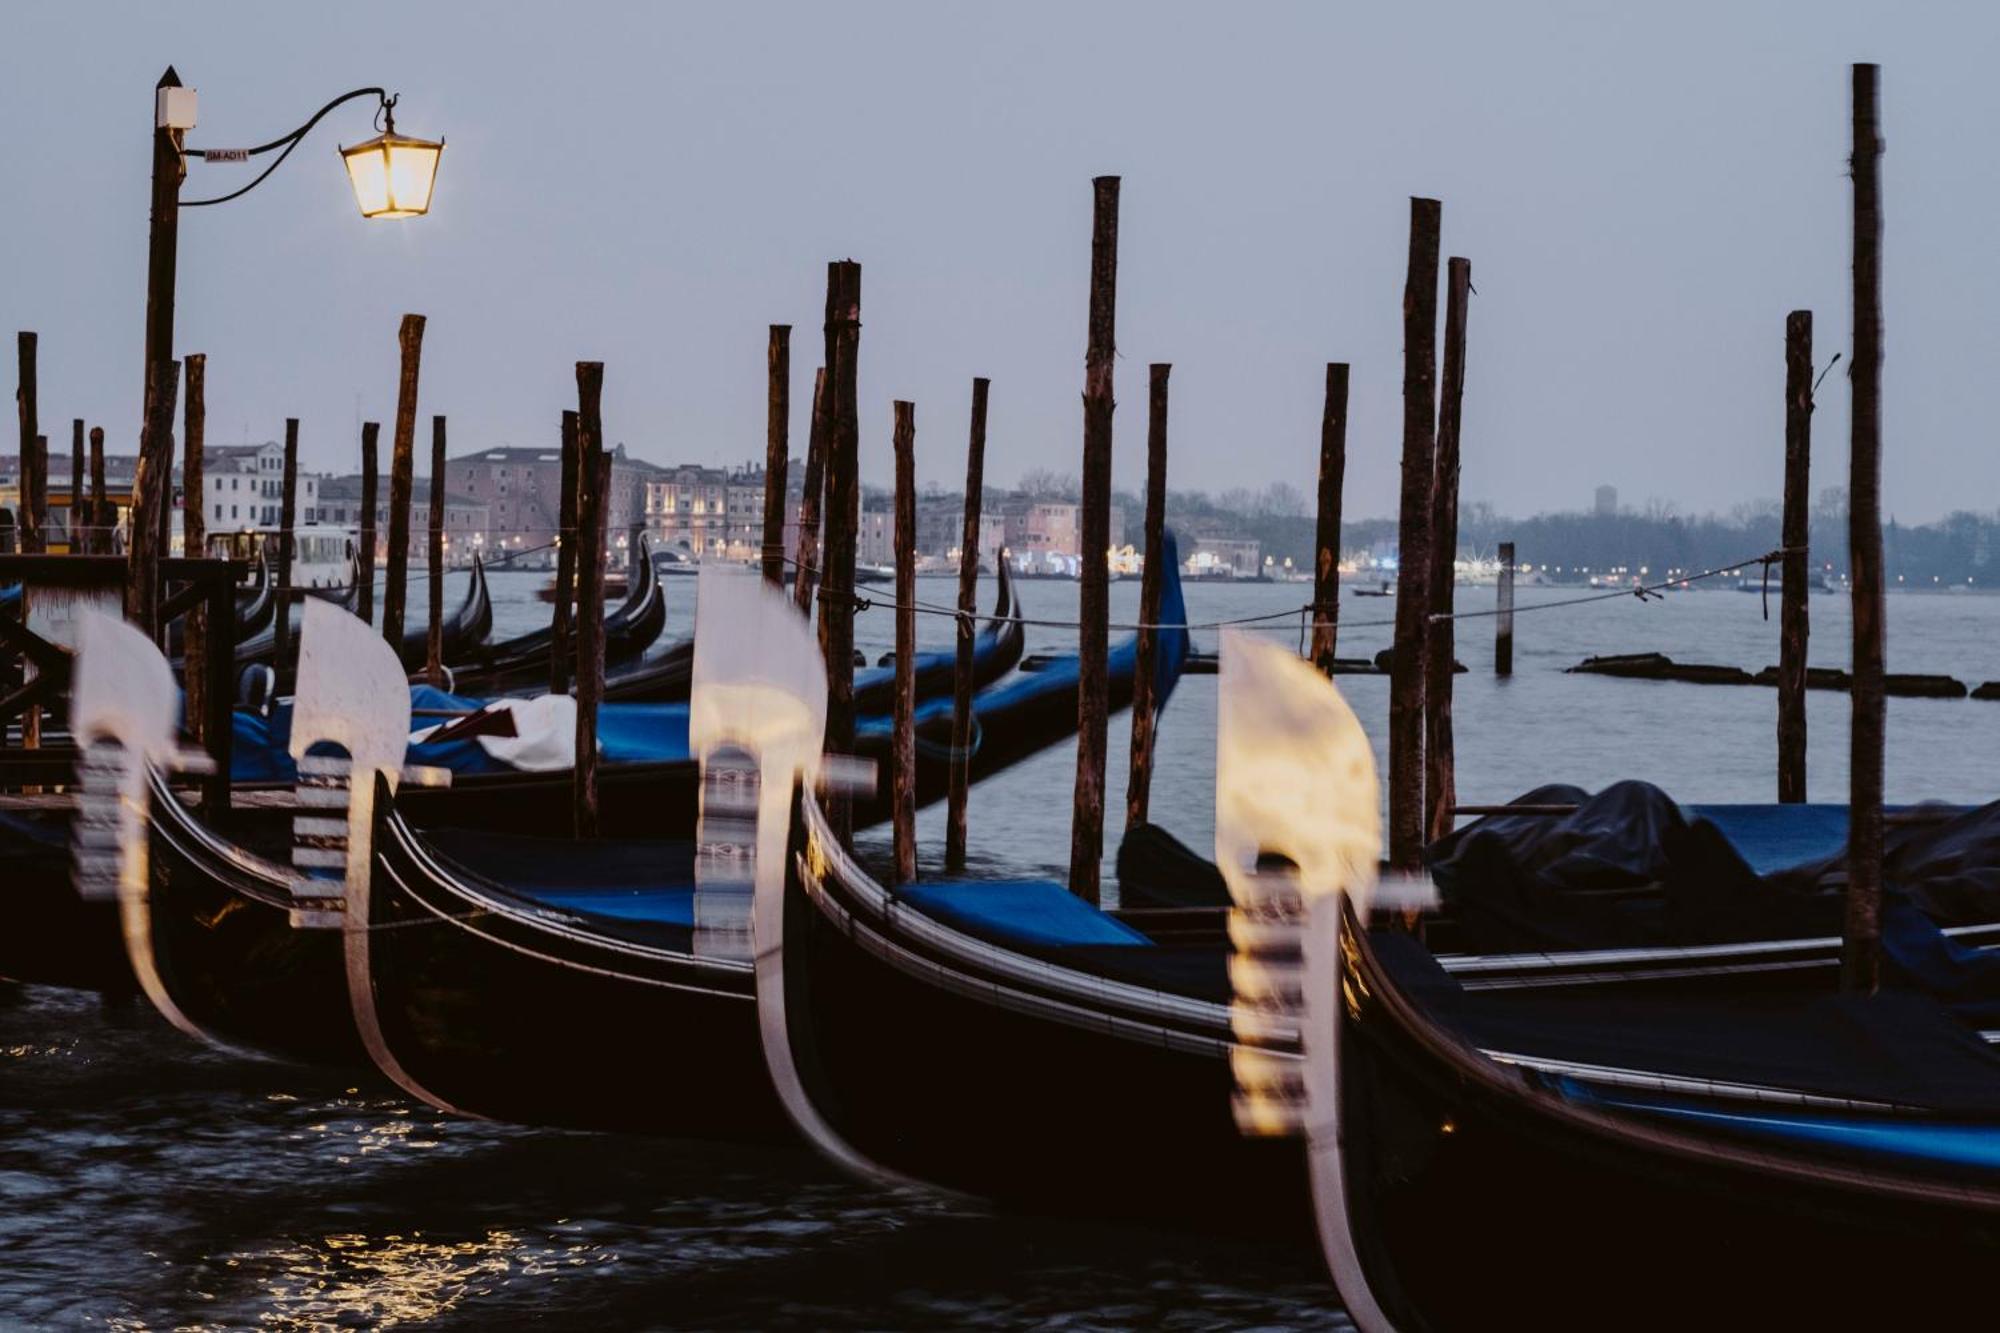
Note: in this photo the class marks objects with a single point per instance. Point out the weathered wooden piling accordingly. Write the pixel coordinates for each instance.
(1861, 940)
(562, 652)
(194, 535)
(1794, 627)
(968, 608)
(34, 489)
(402, 468)
(287, 514)
(26, 403)
(364, 605)
(1086, 843)
(1440, 758)
(843, 517)
(1139, 780)
(777, 448)
(593, 473)
(1503, 623)
(1409, 665)
(812, 498)
(903, 807)
(434, 644)
(153, 471)
(76, 509)
(100, 501)
(1326, 557)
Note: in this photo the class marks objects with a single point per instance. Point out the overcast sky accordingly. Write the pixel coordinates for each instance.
(1643, 196)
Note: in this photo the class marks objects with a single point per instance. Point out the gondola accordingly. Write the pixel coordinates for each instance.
(996, 651)
(522, 663)
(463, 628)
(254, 608)
(1729, 1158)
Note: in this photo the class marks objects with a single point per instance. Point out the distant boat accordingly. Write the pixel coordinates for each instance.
(1387, 589)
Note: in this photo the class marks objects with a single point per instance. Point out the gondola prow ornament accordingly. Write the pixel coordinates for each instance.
(351, 693)
(1298, 840)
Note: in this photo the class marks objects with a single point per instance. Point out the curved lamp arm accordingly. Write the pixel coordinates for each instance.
(290, 141)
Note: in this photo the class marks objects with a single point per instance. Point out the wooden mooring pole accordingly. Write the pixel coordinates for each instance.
(76, 510)
(26, 401)
(1139, 778)
(434, 643)
(287, 513)
(562, 652)
(152, 472)
(364, 603)
(1326, 557)
(843, 518)
(1503, 623)
(593, 473)
(35, 496)
(812, 498)
(194, 536)
(100, 501)
(1086, 843)
(1440, 756)
(1408, 665)
(1860, 959)
(777, 448)
(1794, 627)
(968, 609)
(402, 469)
(903, 809)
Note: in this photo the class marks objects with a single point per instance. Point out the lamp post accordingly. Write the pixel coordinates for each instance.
(392, 176)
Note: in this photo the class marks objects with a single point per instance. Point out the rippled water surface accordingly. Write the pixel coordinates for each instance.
(147, 1183)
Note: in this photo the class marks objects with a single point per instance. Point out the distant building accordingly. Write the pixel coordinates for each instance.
(522, 491)
(242, 488)
(1225, 557)
(466, 520)
(714, 512)
(1607, 501)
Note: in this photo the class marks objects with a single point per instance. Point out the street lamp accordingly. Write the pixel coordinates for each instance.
(392, 176)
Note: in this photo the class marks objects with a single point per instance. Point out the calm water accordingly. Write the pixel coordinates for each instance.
(146, 1183)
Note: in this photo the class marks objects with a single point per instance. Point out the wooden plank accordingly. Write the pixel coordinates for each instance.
(1861, 941)
(777, 448)
(1139, 779)
(402, 467)
(434, 643)
(1326, 557)
(1408, 667)
(1440, 778)
(1794, 620)
(903, 759)
(968, 608)
(1086, 842)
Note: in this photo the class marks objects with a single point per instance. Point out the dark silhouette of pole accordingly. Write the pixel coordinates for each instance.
(77, 513)
(1860, 959)
(1503, 623)
(903, 808)
(1440, 776)
(1086, 843)
(812, 497)
(1139, 781)
(28, 410)
(562, 653)
(364, 605)
(1408, 664)
(34, 489)
(843, 518)
(968, 608)
(100, 501)
(194, 535)
(593, 472)
(156, 460)
(777, 448)
(287, 513)
(162, 250)
(1332, 476)
(1794, 622)
(434, 644)
(402, 468)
